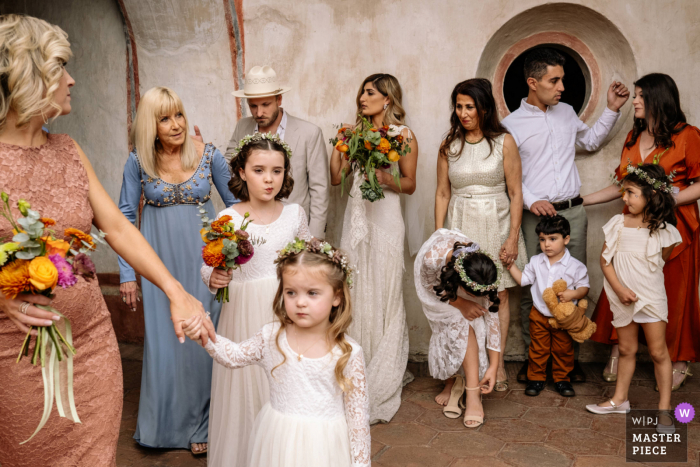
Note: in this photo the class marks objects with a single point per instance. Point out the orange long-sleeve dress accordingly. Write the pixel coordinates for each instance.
(682, 270)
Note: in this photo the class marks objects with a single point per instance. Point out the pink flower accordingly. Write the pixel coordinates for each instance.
(65, 273)
(83, 266)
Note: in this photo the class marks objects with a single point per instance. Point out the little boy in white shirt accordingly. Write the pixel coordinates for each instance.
(543, 269)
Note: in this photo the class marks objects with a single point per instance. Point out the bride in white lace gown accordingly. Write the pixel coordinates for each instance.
(453, 321)
(373, 238)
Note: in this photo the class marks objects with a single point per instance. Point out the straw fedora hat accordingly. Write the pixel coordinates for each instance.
(261, 81)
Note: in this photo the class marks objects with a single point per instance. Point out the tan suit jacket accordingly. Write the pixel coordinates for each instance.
(309, 167)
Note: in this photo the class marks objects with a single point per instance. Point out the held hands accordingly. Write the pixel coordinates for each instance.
(130, 294)
(543, 208)
(32, 315)
(626, 296)
(194, 327)
(566, 296)
(220, 278)
(509, 252)
(617, 95)
(183, 307)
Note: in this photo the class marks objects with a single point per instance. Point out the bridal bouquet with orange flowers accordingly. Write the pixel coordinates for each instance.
(366, 149)
(35, 261)
(226, 247)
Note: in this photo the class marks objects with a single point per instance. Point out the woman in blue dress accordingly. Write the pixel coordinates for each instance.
(174, 173)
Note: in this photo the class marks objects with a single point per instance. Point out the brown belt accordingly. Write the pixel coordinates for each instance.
(561, 205)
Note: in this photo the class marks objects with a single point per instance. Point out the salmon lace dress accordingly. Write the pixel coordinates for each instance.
(52, 178)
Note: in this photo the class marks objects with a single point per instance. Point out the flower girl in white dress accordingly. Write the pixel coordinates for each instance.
(318, 414)
(261, 178)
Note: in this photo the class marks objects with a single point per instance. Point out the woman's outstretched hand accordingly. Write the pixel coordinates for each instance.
(184, 306)
(33, 316)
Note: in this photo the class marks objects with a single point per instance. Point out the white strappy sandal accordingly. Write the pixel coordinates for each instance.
(452, 409)
(473, 418)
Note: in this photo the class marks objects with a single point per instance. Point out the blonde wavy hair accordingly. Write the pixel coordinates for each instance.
(340, 317)
(388, 86)
(32, 58)
(157, 102)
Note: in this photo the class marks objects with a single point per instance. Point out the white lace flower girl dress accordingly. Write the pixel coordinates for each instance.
(309, 421)
(238, 396)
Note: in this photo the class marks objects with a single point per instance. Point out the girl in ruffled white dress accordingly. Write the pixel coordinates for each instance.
(318, 414)
(455, 281)
(636, 246)
(261, 178)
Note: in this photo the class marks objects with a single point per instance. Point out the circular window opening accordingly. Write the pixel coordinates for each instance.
(577, 80)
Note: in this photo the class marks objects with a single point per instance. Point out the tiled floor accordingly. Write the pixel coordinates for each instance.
(548, 430)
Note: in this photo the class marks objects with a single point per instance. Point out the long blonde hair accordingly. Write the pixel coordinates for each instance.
(388, 86)
(341, 315)
(32, 55)
(154, 104)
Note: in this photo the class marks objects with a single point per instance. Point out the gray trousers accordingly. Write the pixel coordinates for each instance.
(577, 247)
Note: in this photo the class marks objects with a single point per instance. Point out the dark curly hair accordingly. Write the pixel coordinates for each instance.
(660, 208)
(480, 90)
(479, 267)
(662, 106)
(239, 187)
(550, 225)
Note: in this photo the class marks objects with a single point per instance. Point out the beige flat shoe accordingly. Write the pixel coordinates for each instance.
(473, 418)
(610, 377)
(452, 409)
(685, 374)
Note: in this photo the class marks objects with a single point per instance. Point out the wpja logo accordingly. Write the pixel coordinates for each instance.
(658, 435)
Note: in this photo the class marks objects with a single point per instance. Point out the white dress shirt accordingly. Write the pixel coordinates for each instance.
(281, 127)
(541, 275)
(547, 144)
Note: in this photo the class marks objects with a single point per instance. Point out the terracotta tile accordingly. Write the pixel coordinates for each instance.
(376, 447)
(640, 397)
(413, 456)
(514, 430)
(612, 425)
(482, 461)
(545, 399)
(172, 458)
(585, 442)
(437, 420)
(426, 384)
(405, 394)
(425, 399)
(467, 445)
(503, 409)
(598, 461)
(528, 455)
(496, 394)
(408, 412)
(558, 417)
(403, 434)
(587, 389)
(580, 402)
(129, 458)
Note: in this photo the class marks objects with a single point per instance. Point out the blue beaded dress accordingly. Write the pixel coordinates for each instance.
(176, 378)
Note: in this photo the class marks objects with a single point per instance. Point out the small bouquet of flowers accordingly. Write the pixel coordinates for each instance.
(36, 262)
(368, 148)
(225, 246)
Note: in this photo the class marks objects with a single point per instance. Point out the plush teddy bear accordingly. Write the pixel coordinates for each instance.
(568, 316)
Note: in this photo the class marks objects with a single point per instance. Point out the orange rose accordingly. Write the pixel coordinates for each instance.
(56, 247)
(47, 221)
(42, 273)
(14, 278)
(211, 254)
(80, 236)
(203, 234)
(341, 146)
(368, 146)
(218, 225)
(393, 156)
(374, 130)
(384, 146)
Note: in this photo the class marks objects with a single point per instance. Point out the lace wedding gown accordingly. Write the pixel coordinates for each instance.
(448, 344)
(238, 396)
(373, 239)
(309, 421)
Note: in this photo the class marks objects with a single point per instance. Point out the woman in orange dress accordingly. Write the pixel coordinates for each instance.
(54, 175)
(661, 135)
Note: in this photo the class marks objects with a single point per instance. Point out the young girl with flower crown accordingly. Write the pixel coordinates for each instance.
(260, 178)
(636, 246)
(318, 414)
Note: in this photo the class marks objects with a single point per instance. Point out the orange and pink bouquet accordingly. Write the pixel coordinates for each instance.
(35, 261)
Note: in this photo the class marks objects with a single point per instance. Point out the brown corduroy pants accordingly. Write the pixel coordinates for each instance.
(546, 341)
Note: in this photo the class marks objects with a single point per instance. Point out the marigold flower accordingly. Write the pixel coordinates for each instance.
(80, 236)
(384, 146)
(14, 278)
(211, 254)
(368, 145)
(219, 224)
(43, 274)
(399, 138)
(47, 221)
(393, 156)
(373, 129)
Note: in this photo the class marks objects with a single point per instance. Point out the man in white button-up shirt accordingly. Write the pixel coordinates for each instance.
(547, 133)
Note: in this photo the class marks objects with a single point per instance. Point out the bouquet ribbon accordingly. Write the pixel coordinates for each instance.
(57, 371)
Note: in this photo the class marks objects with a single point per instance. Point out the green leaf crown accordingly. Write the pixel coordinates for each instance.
(257, 136)
(317, 246)
(463, 255)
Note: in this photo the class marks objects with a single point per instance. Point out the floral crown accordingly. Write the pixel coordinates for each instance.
(660, 185)
(317, 246)
(462, 254)
(257, 136)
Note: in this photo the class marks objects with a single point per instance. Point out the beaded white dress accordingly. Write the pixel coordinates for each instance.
(479, 205)
(639, 266)
(309, 421)
(448, 344)
(238, 396)
(373, 239)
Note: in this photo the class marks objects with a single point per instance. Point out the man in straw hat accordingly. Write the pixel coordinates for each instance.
(309, 157)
